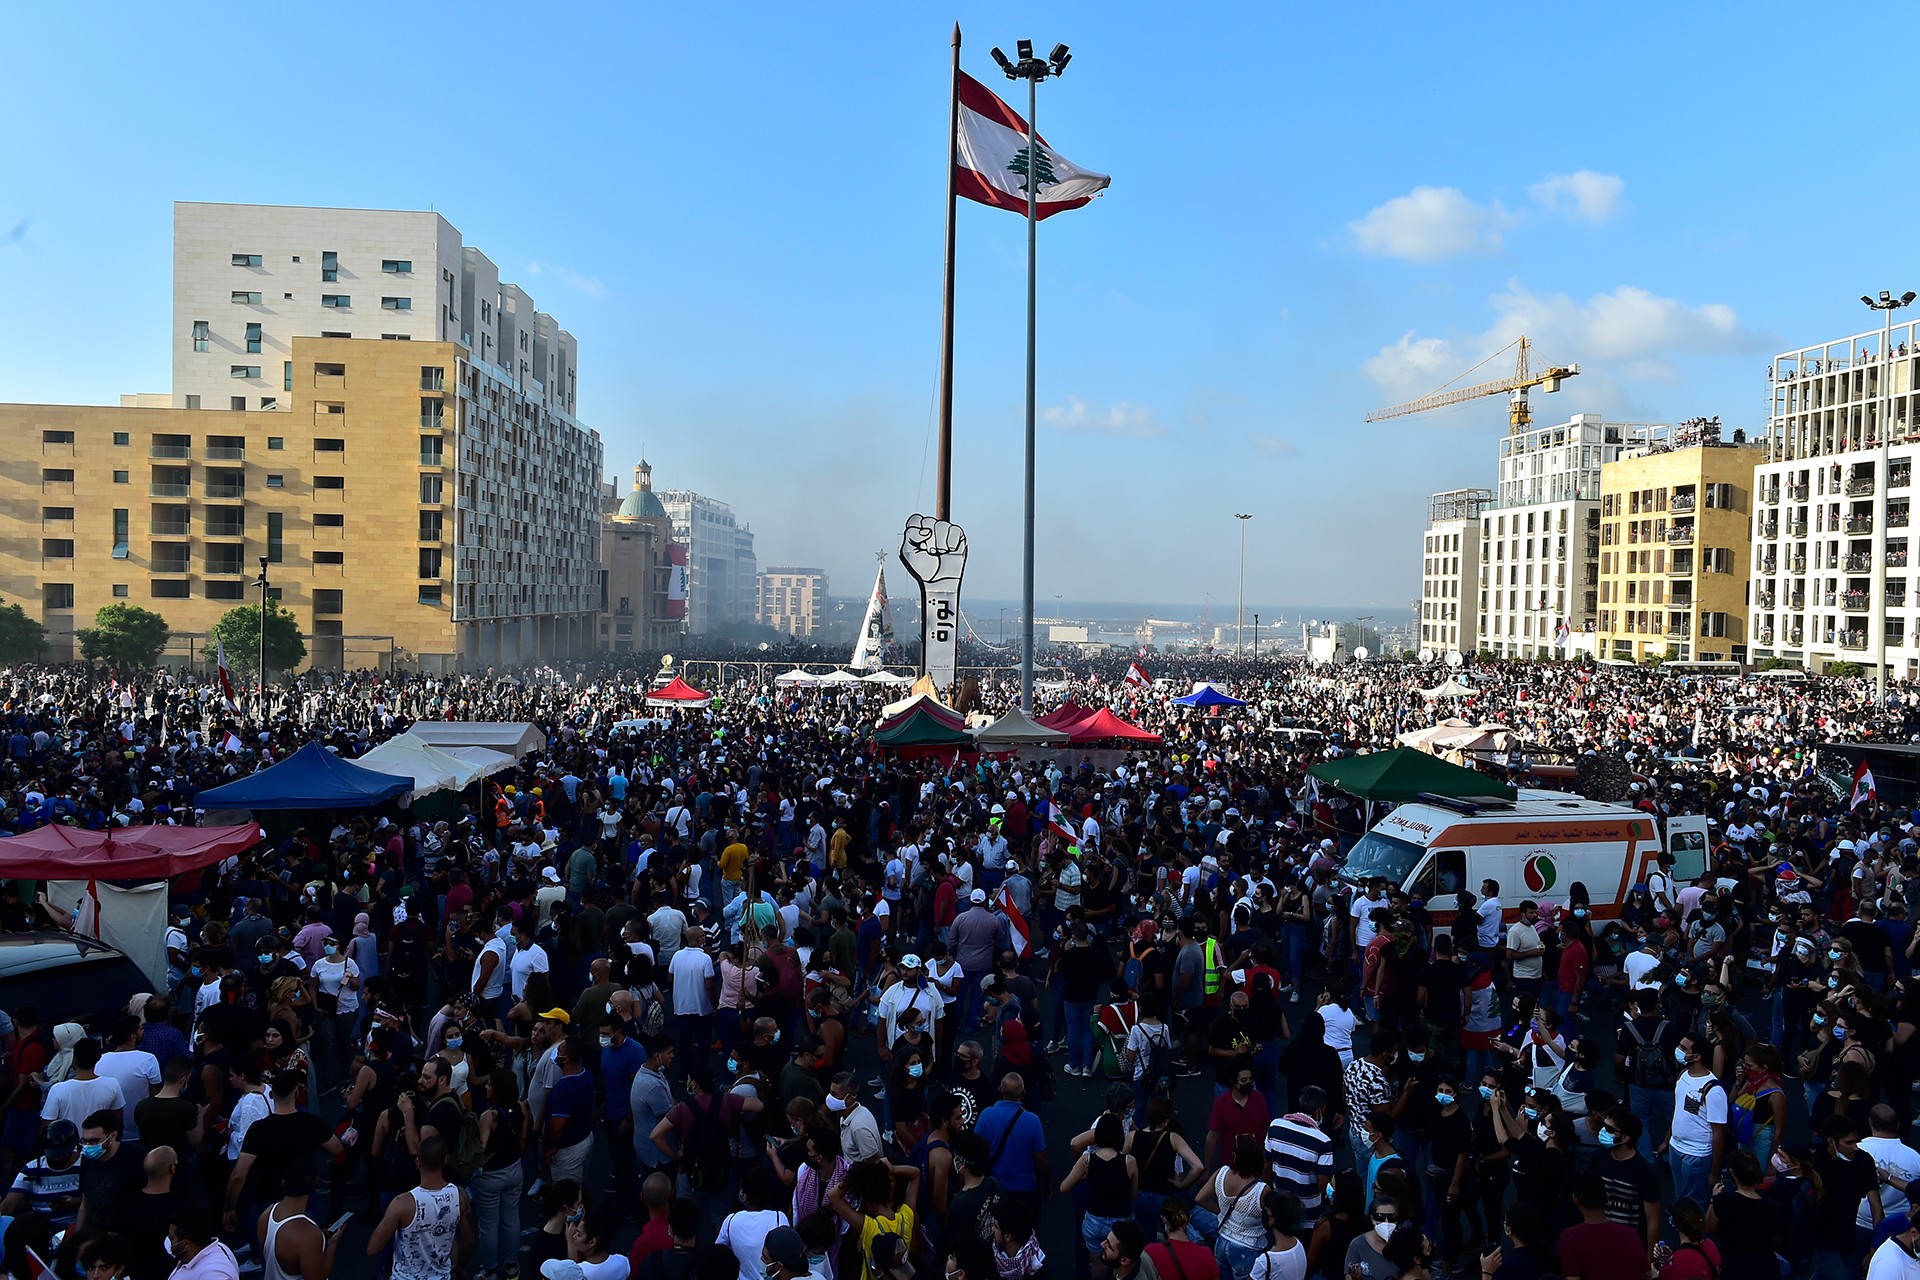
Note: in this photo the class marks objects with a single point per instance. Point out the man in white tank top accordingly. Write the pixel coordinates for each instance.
(293, 1246)
(431, 1227)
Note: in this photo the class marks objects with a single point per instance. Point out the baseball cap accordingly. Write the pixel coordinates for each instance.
(978, 895)
(786, 1248)
(550, 875)
(62, 1136)
(560, 1016)
(910, 961)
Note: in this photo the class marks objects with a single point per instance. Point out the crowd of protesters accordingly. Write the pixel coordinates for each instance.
(728, 992)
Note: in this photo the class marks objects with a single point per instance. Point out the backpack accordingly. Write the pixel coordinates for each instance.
(654, 1020)
(709, 1153)
(468, 1152)
(1157, 1079)
(1649, 1065)
(1740, 1111)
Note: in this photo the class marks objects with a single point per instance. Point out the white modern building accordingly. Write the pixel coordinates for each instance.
(792, 599)
(1450, 571)
(722, 576)
(1540, 539)
(1833, 502)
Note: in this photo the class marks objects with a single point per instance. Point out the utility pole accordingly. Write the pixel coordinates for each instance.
(1240, 609)
(263, 640)
(1886, 305)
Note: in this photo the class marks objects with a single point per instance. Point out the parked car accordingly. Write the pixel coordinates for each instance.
(71, 977)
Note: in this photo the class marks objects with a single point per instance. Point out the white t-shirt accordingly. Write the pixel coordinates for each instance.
(1638, 965)
(1141, 1037)
(1891, 1262)
(745, 1232)
(1362, 913)
(1340, 1024)
(526, 963)
(615, 1267)
(75, 1100)
(137, 1072)
(1699, 1103)
(497, 980)
(1490, 913)
(1902, 1164)
(1522, 936)
(332, 975)
(691, 968)
(900, 997)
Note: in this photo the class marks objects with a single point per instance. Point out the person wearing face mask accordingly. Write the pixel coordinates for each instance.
(198, 1252)
(1793, 988)
(859, 1131)
(621, 1058)
(784, 1256)
(1366, 1256)
(1450, 1165)
(907, 1083)
(1697, 1141)
(1632, 1184)
(336, 994)
(1898, 1257)
(1242, 1111)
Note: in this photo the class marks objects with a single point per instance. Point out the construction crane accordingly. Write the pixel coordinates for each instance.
(1519, 416)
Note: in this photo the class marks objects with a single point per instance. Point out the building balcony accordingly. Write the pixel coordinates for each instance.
(1796, 635)
(1797, 492)
(171, 529)
(1899, 477)
(232, 529)
(1860, 562)
(1677, 631)
(1682, 502)
(1897, 559)
(170, 451)
(1896, 599)
(1764, 599)
(1860, 486)
(1854, 601)
(1681, 534)
(432, 422)
(1897, 517)
(1770, 530)
(226, 489)
(1859, 524)
(1797, 565)
(1769, 566)
(170, 490)
(1796, 601)
(226, 453)
(1765, 635)
(1853, 639)
(1830, 599)
(431, 383)
(1797, 528)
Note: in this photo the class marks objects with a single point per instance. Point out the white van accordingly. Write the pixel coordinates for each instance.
(1535, 847)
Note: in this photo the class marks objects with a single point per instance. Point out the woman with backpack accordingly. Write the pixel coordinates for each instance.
(1695, 1257)
(1764, 1101)
(1147, 1057)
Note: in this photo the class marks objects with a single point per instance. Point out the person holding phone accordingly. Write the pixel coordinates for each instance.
(293, 1246)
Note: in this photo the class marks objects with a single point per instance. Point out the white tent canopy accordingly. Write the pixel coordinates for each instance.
(886, 678)
(1017, 729)
(1451, 687)
(431, 768)
(516, 739)
(840, 677)
(796, 678)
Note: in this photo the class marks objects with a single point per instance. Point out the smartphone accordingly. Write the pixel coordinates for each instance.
(340, 1222)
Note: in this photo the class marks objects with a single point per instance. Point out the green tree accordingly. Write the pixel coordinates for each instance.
(1042, 160)
(125, 635)
(239, 632)
(21, 638)
(1844, 670)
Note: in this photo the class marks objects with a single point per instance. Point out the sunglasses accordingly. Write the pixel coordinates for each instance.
(1386, 1217)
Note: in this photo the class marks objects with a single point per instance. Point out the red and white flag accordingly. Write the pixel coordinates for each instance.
(1022, 931)
(1060, 829)
(226, 680)
(1862, 785)
(1137, 676)
(991, 163)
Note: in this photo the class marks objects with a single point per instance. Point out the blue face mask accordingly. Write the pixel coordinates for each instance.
(93, 1150)
(915, 1071)
(1444, 1099)
(1412, 1056)
(1486, 1092)
(1606, 1138)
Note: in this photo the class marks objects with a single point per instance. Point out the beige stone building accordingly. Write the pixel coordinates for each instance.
(412, 505)
(1676, 534)
(644, 607)
(792, 599)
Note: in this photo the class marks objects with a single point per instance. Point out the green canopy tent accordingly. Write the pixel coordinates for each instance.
(1403, 774)
(922, 731)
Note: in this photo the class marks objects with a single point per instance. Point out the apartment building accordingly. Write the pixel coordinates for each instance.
(1831, 571)
(1450, 571)
(1676, 524)
(1540, 540)
(640, 559)
(721, 569)
(792, 599)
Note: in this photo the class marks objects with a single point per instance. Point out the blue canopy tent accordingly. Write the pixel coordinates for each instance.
(1206, 695)
(311, 778)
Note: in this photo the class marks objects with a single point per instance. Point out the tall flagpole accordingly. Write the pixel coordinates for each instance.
(1033, 243)
(943, 485)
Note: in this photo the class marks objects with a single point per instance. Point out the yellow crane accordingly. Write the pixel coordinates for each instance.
(1516, 387)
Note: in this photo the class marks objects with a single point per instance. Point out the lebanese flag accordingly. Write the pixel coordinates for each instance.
(1137, 676)
(1060, 828)
(1022, 931)
(226, 680)
(990, 159)
(1862, 786)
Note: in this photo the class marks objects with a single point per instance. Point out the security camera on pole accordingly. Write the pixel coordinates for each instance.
(999, 159)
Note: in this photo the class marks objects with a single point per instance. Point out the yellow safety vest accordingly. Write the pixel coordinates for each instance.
(1214, 973)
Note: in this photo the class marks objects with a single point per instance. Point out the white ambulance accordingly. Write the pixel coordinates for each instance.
(1535, 847)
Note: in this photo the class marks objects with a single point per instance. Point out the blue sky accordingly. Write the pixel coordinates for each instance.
(738, 210)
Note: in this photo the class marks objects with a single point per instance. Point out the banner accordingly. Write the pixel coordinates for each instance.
(676, 608)
(935, 553)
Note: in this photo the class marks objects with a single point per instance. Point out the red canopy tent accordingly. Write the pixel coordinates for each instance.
(678, 693)
(922, 704)
(1104, 724)
(1064, 716)
(128, 853)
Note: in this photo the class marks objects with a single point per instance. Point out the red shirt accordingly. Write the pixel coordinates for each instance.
(655, 1237)
(1603, 1251)
(1195, 1261)
(1230, 1120)
(1687, 1263)
(1573, 965)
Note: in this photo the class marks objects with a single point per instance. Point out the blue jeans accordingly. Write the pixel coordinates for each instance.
(969, 1009)
(1266, 1070)
(1079, 1034)
(695, 1034)
(1830, 1265)
(1093, 1231)
(1236, 1261)
(496, 1211)
(1653, 1108)
(1690, 1177)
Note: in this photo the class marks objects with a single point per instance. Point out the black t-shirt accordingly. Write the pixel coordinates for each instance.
(970, 1213)
(1747, 1234)
(1847, 1183)
(1230, 1033)
(141, 1220)
(1451, 1136)
(1083, 971)
(276, 1141)
(1443, 980)
(1630, 1184)
(1156, 979)
(166, 1122)
(104, 1184)
(1871, 942)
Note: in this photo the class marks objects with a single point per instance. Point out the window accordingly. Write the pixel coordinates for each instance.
(433, 378)
(122, 525)
(229, 589)
(56, 513)
(120, 477)
(329, 520)
(243, 371)
(246, 298)
(324, 407)
(119, 591)
(226, 558)
(396, 337)
(325, 601)
(431, 523)
(431, 454)
(237, 403)
(193, 402)
(56, 437)
(171, 589)
(246, 259)
(286, 375)
(331, 333)
(330, 445)
(203, 332)
(56, 548)
(275, 481)
(429, 562)
(329, 371)
(269, 402)
(396, 304)
(56, 595)
(226, 522)
(253, 341)
(338, 301)
(396, 266)
(122, 438)
(430, 489)
(329, 267)
(275, 546)
(430, 593)
(330, 482)
(56, 475)
(330, 559)
(276, 443)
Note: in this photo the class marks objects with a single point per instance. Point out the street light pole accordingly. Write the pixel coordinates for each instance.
(1240, 609)
(1256, 637)
(263, 639)
(1886, 305)
(1033, 70)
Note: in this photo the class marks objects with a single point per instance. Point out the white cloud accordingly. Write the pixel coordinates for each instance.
(1593, 197)
(1428, 224)
(592, 286)
(1118, 419)
(1627, 331)
(1274, 446)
